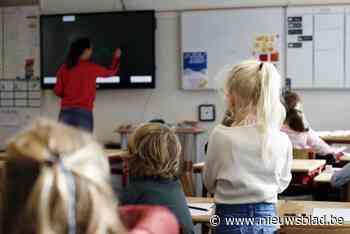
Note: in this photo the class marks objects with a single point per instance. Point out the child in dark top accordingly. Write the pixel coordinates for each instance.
(153, 169)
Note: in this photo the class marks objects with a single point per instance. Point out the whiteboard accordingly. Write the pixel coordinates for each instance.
(329, 50)
(322, 62)
(347, 48)
(300, 57)
(227, 37)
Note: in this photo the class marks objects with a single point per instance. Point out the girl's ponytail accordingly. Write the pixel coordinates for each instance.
(253, 92)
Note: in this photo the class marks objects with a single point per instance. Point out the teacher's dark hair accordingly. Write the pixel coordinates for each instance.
(76, 50)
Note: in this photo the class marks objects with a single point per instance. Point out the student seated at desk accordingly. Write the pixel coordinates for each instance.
(57, 181)
(249, 160)
(295, 126)
(341, 177)
(153, 169)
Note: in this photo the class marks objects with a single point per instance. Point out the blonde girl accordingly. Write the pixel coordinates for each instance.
(249, 158)
(56, 180)
(153, 169)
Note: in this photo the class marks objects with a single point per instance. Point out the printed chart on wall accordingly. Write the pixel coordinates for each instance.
(20, 93)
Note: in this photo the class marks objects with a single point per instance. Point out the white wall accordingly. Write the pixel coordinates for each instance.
(324, 109)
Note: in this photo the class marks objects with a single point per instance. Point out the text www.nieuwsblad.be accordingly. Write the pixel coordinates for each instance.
(215, 220)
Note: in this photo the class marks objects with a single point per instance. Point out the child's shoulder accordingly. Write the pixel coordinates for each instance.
(282, 137)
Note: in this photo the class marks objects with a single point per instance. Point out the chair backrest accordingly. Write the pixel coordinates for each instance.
(303, 154)
(148, 219)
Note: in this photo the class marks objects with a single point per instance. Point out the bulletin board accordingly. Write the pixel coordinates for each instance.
(213, 40)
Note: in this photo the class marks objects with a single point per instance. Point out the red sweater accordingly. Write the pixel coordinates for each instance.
(77, 86)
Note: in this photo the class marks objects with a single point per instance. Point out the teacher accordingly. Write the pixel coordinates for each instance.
(76, 84)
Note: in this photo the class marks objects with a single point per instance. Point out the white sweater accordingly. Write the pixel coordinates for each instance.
(235, 170)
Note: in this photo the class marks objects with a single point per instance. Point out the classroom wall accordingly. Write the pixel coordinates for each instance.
(324, 109)
(167, 101)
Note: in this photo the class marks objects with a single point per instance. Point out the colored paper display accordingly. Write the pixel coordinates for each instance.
(266, 47)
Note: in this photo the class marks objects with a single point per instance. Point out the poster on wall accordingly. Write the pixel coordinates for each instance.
(195, 70)
(266, 48)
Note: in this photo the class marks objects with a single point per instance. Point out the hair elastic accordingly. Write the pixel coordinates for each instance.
(261, 65)
(71, 191)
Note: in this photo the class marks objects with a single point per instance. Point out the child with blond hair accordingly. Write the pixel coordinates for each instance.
(56, 180)
(249, 159)
(154, 169)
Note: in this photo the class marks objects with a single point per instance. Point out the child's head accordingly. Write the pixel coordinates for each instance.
(253, 92)
(295, 117)
(156, 151)
(291, 100)
(56, 180)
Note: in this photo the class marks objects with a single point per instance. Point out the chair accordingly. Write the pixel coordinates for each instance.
(303, 154)
(148, 220)
(187, 179)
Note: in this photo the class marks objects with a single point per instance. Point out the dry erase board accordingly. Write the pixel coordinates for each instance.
(318, 55)
(214, 39)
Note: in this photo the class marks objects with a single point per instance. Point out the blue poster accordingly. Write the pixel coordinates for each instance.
(195, 70)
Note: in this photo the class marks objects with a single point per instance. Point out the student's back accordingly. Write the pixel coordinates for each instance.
(242, 175)
(158, 191)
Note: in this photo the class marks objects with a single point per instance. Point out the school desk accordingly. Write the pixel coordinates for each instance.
(345, 157)
(336, 139)
(304, 170)
(322, 185)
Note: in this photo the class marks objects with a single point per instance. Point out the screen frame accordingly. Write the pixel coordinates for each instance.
(150, 85)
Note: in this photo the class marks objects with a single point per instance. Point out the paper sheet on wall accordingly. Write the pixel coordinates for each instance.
(21, 34)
